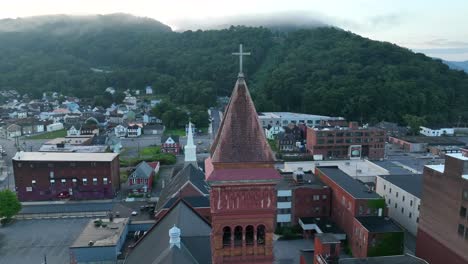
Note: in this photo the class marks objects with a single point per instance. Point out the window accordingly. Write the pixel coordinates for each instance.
(29, 189)
(249, 235)
(238, 236)
(465, 195)
(403, 198)
(72, 164)
(396, 205)
(316, 197)
(33, 183)
(410, 215)
(343, 200)
(417, 219)
(461, 229)
(324, 197)
(85, 181)
(402, 210)
(317, 210)
(105, 180)
(385, 187)
(52, 182)
(74, 181)
(463, 212)
(389, 202)
(361, 210)
(19, 165)
(411, 203)
(261, 235)
(418, 206)
(390, 190)
(94, 181)
(226, 236)
(51, 174)
(63, 181)
(397, 194)
(349, 205)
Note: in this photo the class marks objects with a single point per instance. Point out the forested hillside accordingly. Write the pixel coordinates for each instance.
(322, 70)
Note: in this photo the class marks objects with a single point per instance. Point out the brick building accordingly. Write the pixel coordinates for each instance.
(50, 176)
(301, 194)
(361, 214)
(443, 224)
(242, 177)
(333, 142)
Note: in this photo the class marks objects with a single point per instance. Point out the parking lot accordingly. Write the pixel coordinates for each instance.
(28, 241)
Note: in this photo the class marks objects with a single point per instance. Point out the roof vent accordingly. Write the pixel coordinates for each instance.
(174, 236)
(90, 243)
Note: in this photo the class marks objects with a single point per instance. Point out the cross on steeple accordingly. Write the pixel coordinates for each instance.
(241, 53)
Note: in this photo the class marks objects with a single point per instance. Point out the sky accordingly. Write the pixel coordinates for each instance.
(438, 28)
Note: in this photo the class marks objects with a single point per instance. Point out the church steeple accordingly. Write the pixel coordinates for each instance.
(190, 150)
(242, 177)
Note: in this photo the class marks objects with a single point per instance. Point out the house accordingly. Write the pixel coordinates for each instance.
(271, 132)
(134, 130)
(54, 127)
(13, 131)
(286, 142)
(120, 131)
(170, 144)
(436, 132)
(295, 130)
(110, 90)
(141, 179)
(72, 131)
(87, 129)
(116, 118)
(149, 90)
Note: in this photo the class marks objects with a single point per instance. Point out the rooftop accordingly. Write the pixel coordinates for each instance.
(73, 148)
(432, 140)
(378, 224)
(323, 223)
(402, 259)
(440, 168)
(353, 168)
(57, 156)
(411, 183)
(240, 137)
(459, 156)
(355, 188)
(289, 115)
(327, 238)
(101, 236)
(309, 180)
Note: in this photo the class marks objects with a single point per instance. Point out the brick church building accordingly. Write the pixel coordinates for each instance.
(242, 177)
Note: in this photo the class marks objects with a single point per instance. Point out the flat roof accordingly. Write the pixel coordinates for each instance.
(290, 115)
(58, 156)
(324, 223)
(101, 236)
(354, 187)
(411, 183)
(327, 238)
(440, 168)
(457, 156)
(432, 140)
(354, 167)
(400, 259)
(378, 224)
(74, 148)
(309, 180)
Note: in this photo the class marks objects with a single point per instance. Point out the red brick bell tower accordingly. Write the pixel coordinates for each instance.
(242, 177)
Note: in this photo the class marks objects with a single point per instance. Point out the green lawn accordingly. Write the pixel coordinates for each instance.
(175, 132)
(123, 175)
(150, 151)
(51, 135)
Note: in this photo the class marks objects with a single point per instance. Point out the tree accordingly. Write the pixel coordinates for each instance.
(9, 205)
(414, 122)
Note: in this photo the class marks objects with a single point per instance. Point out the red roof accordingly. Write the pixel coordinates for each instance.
(153, 164)
(250, 174)
(240, 138)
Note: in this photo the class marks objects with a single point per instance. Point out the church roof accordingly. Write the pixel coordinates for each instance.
(240, 137)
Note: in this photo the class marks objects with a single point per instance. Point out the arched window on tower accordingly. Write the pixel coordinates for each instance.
(238, 236)
(249, 235)
(261, 235)
(226, 236)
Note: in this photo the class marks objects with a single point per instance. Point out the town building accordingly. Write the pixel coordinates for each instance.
(242, 178)
(436, 132)
(141, 179)
(423, 143)
(346, 142)
(120, 131)
(361, 213)
(170, 144)
(285, 118)
(188, 185)
(271, 132)
(149, 90)
(134, 130)
(72, 131)
(443, 227)
(402, 194)
(100, 243)
(52, 175)
(327, 250)
(392, 129)
(181, 236)
(301, 194)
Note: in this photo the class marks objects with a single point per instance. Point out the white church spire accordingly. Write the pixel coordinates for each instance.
(190, 149)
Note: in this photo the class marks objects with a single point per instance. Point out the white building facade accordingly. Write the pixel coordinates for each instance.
(285, 118)
(283, 207)
(402, 196)
(429, 132)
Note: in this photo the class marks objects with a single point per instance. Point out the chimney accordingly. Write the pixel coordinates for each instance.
(174, 237)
